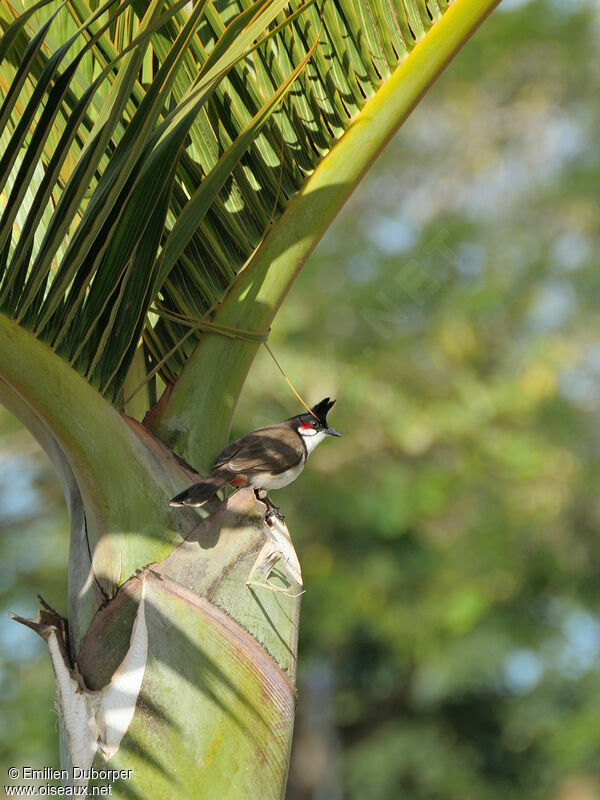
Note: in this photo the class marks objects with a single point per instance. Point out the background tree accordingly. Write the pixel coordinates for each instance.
(163, 188)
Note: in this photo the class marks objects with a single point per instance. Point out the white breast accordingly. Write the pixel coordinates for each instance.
(268, 481)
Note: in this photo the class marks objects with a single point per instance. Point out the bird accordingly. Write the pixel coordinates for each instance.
(266, 458)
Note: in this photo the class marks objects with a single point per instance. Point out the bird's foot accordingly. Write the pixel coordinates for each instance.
(273, 511)
(273, 514)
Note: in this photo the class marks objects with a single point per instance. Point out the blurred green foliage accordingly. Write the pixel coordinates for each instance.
(450, 635)
(34, 544)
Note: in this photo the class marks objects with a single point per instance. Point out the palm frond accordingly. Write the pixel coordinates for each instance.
(149, 146)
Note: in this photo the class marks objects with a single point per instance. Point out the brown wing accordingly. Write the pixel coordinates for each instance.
(273, 449)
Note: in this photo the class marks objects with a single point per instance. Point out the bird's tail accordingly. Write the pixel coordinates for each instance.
(199, 493)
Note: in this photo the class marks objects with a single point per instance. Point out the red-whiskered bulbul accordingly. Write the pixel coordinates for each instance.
(267, 458)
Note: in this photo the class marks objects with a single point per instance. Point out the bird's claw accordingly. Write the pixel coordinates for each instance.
(273, 511)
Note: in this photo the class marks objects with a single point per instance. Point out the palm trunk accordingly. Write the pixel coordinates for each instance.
(194, 691)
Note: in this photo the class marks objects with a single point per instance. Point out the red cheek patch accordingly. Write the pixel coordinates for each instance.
(306, 426)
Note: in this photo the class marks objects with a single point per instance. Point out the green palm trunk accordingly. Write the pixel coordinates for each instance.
(167, 170)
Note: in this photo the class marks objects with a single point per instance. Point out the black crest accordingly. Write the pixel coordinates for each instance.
(321, 410)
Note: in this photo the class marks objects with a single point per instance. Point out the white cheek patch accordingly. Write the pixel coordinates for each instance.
(308, 431)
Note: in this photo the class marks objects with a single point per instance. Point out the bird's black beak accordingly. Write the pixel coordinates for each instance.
(332, 432)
